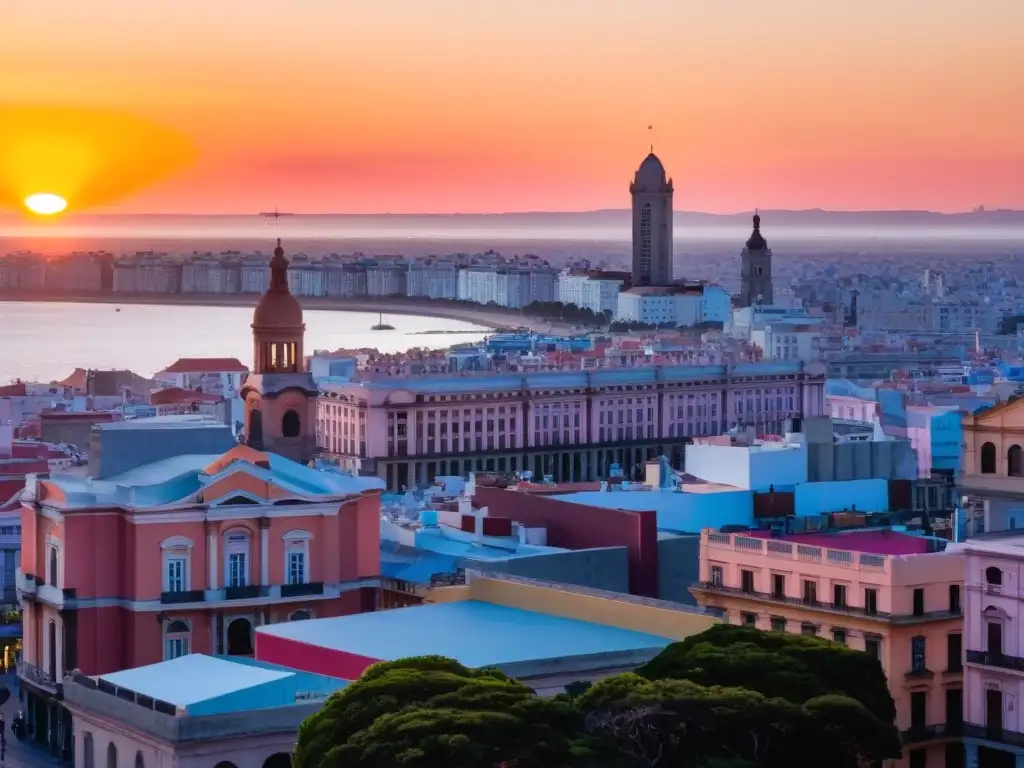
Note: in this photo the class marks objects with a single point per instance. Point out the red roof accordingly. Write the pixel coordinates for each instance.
(13, 390)
(207, 365)
(173, 395)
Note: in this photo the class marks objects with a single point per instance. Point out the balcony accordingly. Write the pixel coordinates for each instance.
(811, 605)
(248, 592)
(919, 674)
(994, 734)
(25, 583)
(183, 596)
(50, 595)
(920, 734)
(35, 676)
(995, 660)
(791, 550)
(301, 590)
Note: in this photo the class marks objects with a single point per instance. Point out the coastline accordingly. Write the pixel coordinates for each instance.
(493, 318)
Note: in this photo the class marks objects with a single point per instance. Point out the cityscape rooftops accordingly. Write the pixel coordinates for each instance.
(880, 542)
(206, 365)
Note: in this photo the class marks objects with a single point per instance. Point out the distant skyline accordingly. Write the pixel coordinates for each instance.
(327, 106)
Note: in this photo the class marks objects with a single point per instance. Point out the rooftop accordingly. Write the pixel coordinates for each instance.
(885, 542)
(476, 634)
(209, 685)
(206, 365)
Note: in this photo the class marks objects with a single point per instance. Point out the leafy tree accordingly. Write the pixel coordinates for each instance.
(430, 711)
(793, 667)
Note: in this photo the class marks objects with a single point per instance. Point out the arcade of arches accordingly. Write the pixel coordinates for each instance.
(989, 460)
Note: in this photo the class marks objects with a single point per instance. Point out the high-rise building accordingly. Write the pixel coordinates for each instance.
(280, 397)
(756, 269)
(651, 191)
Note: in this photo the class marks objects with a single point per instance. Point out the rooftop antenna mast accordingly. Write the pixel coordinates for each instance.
(276, 216)
(650, 135)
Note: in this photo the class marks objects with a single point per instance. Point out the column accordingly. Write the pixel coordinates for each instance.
(264, 551)
(211, 553)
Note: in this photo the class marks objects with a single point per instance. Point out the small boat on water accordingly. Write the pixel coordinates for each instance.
(381, 325)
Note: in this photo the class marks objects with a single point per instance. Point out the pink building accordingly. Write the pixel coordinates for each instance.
(177, 540)
(994, 670)
(570, 425)
(890, 594)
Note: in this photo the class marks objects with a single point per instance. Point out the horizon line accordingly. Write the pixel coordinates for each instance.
(751, 212)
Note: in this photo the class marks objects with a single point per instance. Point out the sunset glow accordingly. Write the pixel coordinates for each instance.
(462, 106)
(46, 204)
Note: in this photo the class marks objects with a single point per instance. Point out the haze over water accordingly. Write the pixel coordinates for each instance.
(47, 341)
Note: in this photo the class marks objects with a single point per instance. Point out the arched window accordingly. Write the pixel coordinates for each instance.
(140, 761)
(299, 616)
(1014, 467)
(87, 751)
(177, 554)
(236, 558)
(993, 576)
(111, 755)
(988, 459)
(240, 638)
(51, 665)
(177, 639)
(291, 425)
(54, 566)
(278, 760)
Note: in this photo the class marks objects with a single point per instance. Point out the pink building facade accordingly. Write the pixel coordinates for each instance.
(570, 425)
(886, 593)
(994, 645)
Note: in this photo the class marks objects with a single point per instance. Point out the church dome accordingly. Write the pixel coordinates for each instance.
(651, 174)
(756, 241)
(278, 309)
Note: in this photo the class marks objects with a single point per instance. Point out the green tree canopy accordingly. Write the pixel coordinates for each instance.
(776, 664)
(432, 711)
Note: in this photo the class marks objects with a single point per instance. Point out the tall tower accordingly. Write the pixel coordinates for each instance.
(652, 223)
(756, 269)
(280, 396)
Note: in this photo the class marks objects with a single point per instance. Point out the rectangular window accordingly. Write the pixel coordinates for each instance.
(778, 624)
(918, 660)
(778, 586)
(871, 601)
(918, 709)
(873, 647)
(954, 598)
(747, 581)
(954, 651)
(176, 574)
(236, 570)
(810, 592)
(717, 576)
(839, 636)
(748, 619)
(177, 646)
(297, 567)
(808, 629)
(838, 595)
(919, 602)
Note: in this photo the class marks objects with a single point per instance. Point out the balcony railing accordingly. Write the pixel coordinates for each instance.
(299, 590)
(919, 734)
(36, 676)
(996, 660)
(790, 550)
(994, 733)
(248, 592)
(25, 583)
(189, 596)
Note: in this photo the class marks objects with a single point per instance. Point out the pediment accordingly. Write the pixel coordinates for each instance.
(1008, 415)
(244, 484)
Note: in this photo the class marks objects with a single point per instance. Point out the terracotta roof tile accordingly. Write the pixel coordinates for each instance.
(207, 365)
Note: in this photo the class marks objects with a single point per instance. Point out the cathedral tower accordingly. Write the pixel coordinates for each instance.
(652, 223)
(280, 395)
(756, 270)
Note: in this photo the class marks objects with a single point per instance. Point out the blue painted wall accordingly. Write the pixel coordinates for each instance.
(835, 496)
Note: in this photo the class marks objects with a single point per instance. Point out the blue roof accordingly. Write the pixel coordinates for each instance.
(209, 685)
(420, 570)
(474, 633)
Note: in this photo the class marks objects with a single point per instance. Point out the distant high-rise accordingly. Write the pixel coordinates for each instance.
(756, 269)
(652, 224)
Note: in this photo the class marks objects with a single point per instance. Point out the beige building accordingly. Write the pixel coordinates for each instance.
(992, 478)
(651, 191)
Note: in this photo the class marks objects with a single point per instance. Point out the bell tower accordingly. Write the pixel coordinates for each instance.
(280, 395)
(756, 269)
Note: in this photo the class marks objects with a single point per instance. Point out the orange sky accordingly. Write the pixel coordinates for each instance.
(500, 105)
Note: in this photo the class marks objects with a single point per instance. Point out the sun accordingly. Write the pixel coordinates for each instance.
(45, 204)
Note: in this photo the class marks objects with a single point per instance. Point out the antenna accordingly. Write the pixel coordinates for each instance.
(650, 134)
(276, 216)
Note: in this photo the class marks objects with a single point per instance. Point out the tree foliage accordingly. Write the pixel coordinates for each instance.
(731, 697)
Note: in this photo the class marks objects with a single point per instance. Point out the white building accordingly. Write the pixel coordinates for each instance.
(780, 333)
(511, 287)
(682, 305)
(434, 281)
(589, 290)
